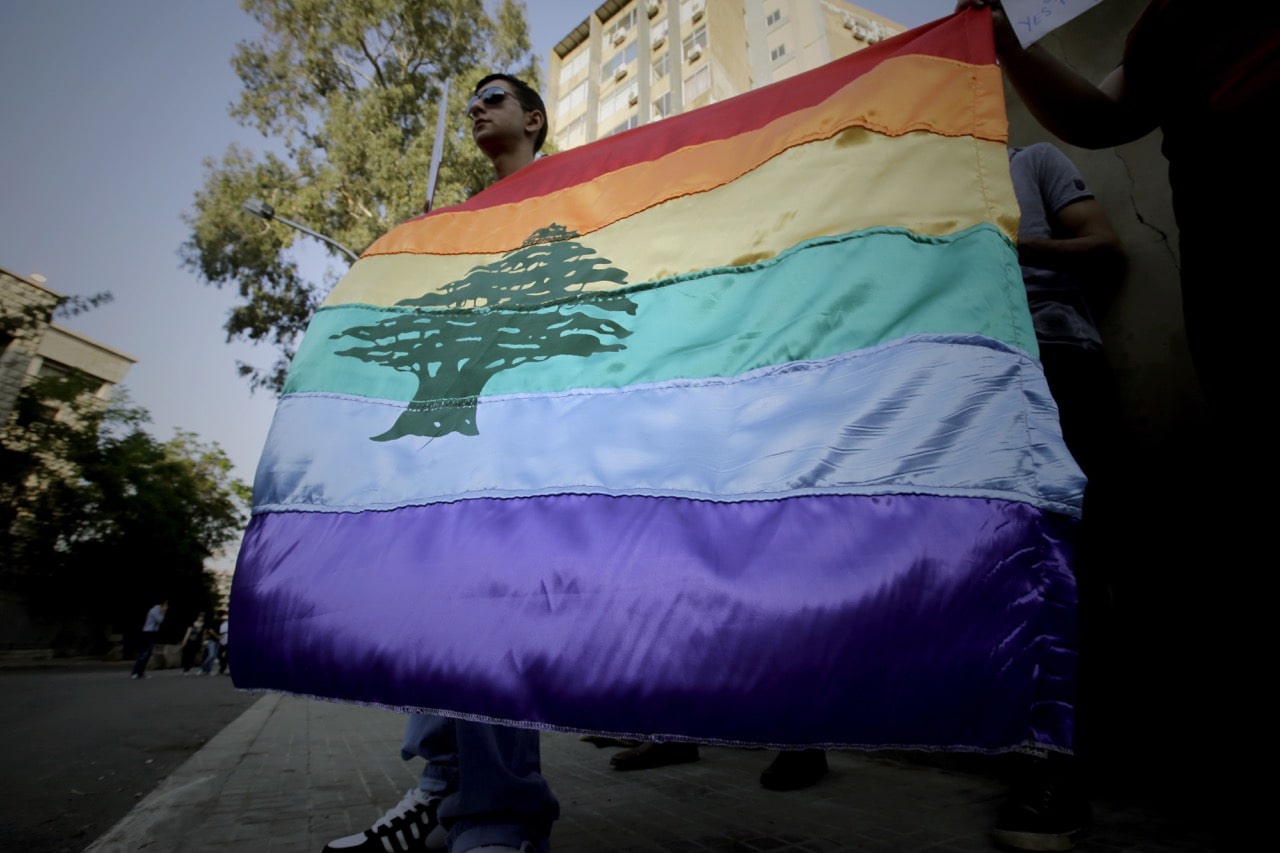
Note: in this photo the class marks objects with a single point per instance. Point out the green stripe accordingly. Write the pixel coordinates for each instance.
(819, 299)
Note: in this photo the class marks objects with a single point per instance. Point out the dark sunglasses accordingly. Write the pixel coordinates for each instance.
(490, 96)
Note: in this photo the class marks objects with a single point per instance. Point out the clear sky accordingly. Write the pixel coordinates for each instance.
(111, 109)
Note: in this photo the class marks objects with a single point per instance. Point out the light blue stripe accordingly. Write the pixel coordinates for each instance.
(963, 416)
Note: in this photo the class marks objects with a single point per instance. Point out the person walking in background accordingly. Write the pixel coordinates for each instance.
(224, 635)
(150, 633)
(211, 644)
(192, 643)
(482, 787)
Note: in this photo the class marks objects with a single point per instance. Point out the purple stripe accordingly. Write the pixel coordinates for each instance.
(854, 621)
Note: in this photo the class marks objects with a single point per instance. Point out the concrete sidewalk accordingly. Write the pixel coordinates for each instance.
(290, 774)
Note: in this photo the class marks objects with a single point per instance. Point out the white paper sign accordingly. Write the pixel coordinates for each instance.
(1033, 19)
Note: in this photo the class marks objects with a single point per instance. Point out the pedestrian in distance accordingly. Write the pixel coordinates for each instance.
(193, 644)
(150, 634)
(224, 641)
(212, 642)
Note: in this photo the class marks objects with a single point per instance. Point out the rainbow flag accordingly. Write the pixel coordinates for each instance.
(729, 428)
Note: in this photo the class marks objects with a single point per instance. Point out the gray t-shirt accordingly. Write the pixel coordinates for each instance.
(1045, 181)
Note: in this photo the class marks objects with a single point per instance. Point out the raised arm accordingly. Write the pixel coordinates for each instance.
(1067, 104)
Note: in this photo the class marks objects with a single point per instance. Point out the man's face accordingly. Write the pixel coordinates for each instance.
(497, 120)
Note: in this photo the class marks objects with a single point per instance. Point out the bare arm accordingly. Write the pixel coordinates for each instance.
(1090, 250)
(1067, 104)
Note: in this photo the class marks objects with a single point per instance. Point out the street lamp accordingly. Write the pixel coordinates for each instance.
(262, 210)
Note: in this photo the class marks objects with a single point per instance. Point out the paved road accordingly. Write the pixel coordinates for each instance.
(83, 744)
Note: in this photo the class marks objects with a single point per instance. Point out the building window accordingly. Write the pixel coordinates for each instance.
(620, 26)
(658, 34)
(618, 101)
(697, 83)
(661, 67)
(50, 369)
(621, 59)
(633, 121)
(574, 67)
(774, 17)
(697, 40)
(77, 380)
(778, 52)
(574, 133)
(576, 97)
(661, 107)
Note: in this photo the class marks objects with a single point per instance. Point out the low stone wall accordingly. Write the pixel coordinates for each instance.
(166, 657)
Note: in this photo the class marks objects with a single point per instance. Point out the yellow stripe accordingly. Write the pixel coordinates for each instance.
(929, 184)
(900, 95)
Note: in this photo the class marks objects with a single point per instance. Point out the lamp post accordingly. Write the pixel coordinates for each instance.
(262, 210)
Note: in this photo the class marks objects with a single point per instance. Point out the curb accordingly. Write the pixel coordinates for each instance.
(183, 799)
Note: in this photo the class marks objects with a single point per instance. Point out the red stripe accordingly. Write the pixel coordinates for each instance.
(964, 37)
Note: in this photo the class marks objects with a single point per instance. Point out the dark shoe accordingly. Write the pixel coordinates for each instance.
(411, 826)
(793, 770)
(1043, 817)
(648, 755)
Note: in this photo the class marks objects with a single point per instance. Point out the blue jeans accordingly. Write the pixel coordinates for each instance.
(148, 646)
(210, 655)
(490, 777)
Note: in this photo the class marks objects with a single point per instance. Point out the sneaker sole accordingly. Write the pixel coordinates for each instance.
(1034, 841)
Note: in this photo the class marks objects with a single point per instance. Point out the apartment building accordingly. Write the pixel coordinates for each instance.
(636, 61)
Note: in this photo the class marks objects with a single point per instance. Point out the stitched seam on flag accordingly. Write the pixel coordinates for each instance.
(860, 490)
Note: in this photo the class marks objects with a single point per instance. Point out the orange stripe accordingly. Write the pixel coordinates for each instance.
(900, 95)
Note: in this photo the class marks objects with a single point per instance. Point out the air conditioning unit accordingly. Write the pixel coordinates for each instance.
(659, 41)
(633, 98)
(619, 36)
(848, 22)
(620, 72)
(697, 12)
(652, 8)
(694, 53)
(860, 33)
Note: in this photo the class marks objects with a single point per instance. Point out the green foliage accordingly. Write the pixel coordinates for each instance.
(347, 96)
(97, 516)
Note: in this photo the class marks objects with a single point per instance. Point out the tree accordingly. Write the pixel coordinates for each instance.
(347, 95)
(98, 516)
(444, 348)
